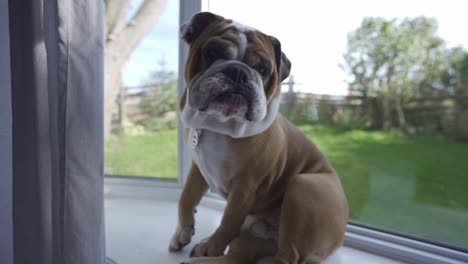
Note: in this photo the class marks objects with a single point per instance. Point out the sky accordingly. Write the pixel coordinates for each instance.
(161, 44)
(313, 34)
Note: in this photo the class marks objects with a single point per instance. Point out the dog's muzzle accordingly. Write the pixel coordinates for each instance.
(230, 89)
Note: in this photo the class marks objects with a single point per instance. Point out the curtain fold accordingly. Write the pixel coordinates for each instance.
(6, 224)
(56, 52)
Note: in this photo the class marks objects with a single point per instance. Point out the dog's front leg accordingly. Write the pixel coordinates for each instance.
(193, 191)
(239, 204)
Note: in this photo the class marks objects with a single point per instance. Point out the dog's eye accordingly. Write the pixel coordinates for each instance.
(263, 69)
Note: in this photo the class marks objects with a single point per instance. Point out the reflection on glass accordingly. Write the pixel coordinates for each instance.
(396, 129)
(141, 90)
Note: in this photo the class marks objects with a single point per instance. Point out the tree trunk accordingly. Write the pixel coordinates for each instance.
(112, 83)
(122, 38)
(401, 114)
(459, 108)
(122, 106)
(387, 113)
(388, 95)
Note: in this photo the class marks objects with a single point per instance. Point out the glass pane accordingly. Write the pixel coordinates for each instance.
(382, 89)
(141, 89)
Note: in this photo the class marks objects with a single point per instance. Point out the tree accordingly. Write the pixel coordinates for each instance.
(455, 81)
(389, 59)
(123, 34)
(455, 74)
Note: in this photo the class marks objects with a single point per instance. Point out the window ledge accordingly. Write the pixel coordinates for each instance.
(141, 216)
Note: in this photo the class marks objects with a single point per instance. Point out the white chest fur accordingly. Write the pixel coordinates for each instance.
(209, 153)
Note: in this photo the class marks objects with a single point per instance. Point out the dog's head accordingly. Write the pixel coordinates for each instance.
(233, 74)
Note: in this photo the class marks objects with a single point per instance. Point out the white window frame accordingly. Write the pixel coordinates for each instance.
(187, 10)
(368, 239)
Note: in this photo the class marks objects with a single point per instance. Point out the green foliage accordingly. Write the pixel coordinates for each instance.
(325, 113)
(347, 120)
(455, 73)
(399, 60)
(464, 124)
(155, 124)
(130, 129)
(328, 114)
(161, 101)
(392, 59)
(455, 81)
(300, 115)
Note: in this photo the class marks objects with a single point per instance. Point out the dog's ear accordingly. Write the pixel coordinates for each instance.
(283, 65)
(197, 24)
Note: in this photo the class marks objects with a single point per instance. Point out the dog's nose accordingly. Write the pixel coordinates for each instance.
(237, 74)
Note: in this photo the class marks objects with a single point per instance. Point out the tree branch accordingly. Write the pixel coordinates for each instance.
(139, 25)
(116, 12)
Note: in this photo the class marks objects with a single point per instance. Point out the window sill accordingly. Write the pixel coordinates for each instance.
(140, 219)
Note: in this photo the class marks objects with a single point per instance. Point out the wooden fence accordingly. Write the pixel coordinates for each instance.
(446, 115)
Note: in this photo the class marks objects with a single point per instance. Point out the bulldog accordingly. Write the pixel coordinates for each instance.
(284, 199)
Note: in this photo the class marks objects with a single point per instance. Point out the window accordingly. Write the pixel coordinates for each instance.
(382, 89)
(141, 92)
(404, 178)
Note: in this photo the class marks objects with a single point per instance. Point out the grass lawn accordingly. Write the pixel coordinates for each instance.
(415, 185)
(146, 155)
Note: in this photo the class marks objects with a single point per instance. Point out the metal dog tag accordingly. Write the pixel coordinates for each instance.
(194, 137)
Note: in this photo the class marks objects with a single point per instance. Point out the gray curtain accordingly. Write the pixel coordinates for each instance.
(56, 187)
(6, 224)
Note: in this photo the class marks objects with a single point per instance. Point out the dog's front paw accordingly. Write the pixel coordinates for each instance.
(206, 248)
(181, 238)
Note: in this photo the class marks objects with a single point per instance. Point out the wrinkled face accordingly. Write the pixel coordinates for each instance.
(233, 72)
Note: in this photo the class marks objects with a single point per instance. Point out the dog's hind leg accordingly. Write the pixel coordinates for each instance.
(313, 219)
